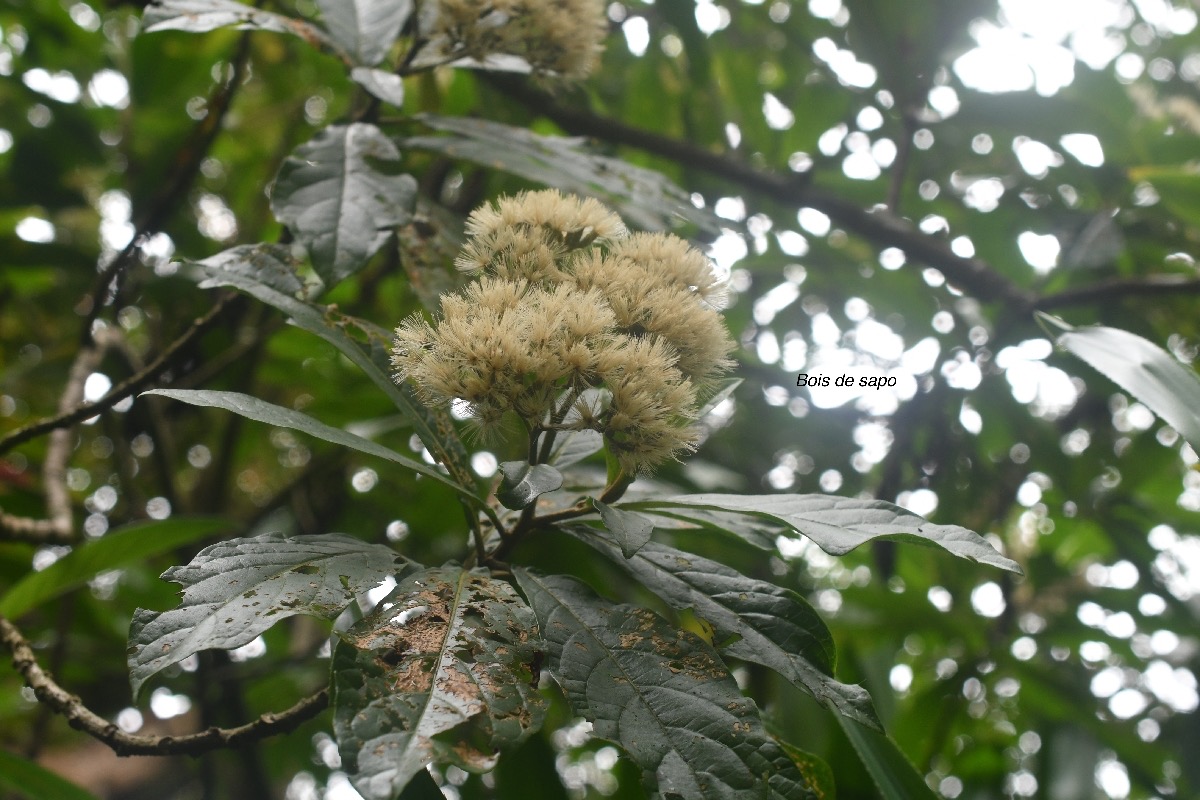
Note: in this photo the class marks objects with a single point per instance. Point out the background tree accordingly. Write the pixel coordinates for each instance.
(894, 191)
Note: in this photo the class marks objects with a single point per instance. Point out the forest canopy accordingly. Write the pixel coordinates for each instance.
(559, 399)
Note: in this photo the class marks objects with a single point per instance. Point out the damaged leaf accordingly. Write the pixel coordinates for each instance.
(763, 623)
(235, 590)
(662, 694)
(442, 670)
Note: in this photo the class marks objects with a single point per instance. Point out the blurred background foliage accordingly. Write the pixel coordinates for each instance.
(896, 188)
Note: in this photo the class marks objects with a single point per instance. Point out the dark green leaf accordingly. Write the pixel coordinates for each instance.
(630, 530)
(366, 29)
(434, 428)
(815, 769)
(763, 623)
(893, 774)
(335, 200)
(571, 447)
(33, 782)
(441, 671)
(235, 590)
(523, 483)
(839, 524)
(272, 265)
(262, 411)
(1143, 369)
(199, 16)
(133, 544)
(662, 694)
(645, 198)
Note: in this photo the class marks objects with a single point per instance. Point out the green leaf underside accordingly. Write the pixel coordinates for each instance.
(1145, 370)
(839, 524)
(646, 198)
(261, 411)
(662, 694)
(629, 529)
(366, 29)
(764, 623)
(201, 16)
(434, 430)
(235, 590)
(523, 483)
(33, 782)
(132, 544)
(384, 85)
(893, 774)
(441, 671)
(336, 203)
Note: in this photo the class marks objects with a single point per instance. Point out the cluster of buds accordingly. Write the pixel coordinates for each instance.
(560, 38)
(565, 301)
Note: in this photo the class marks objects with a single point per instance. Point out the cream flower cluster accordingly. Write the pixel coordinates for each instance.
(566, 300)
(558, 37)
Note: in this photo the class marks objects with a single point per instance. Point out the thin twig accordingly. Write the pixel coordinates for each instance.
(122, 390)
(127, 744)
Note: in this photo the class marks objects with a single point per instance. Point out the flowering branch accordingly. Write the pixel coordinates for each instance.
(127, 744)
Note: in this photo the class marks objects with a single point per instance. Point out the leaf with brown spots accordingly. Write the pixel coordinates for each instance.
(664, 695)
(761, 622)
(235, 590)
(440, 671)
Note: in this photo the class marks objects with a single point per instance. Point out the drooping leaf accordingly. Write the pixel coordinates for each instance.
(269, 264)
(442, 670)
(434, 429)
(366, 29)
(30, 781)
(761, 622)
(645, 198)
(200, 16)
(131, 544)
(262, 411)
(662, 694)
(523, 483)
(384, 85)
(893, 773)
(337, 202)
(235, 590)
(630, 530)
(839, 524)
(1143, 369)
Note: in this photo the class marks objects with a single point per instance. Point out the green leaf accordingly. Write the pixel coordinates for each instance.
(815, 769)
(662, 694)
(630, 529)
(200, 16)
(839, 524)
(571, 447)
(33, 782)
(645, 198)
(269, 264)
(235, 590)
(329, 193)
(524, 483)
(894, 775)
(1143, 369)
(434, 429)
(262, 411)
(366, 29)
(763, 623)
(441, 671)
(130, 545)
(384, 85)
